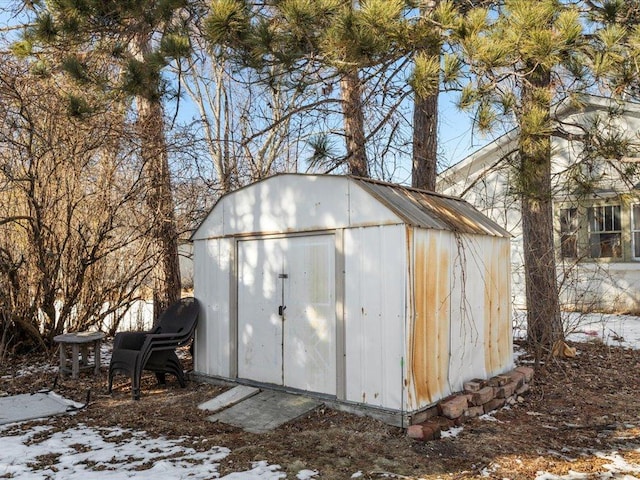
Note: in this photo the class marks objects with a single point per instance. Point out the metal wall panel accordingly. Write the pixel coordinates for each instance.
(212, 277)
(460, 313)
(375, 292)
(288, 204)
(428, 341)
(498, 321)
(467, 329)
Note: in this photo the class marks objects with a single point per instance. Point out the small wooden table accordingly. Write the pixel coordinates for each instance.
(80, 343)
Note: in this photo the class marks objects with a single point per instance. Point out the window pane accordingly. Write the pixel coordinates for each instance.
(568, 220)
(605, 245)
(568, 229)
(605, 232)
(568, 246)
(635, 229)
(615, 216)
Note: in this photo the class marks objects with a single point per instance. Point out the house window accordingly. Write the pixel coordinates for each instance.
(635, 230)
(605, 232)
(569, 232)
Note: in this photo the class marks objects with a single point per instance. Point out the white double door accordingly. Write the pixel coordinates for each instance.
(287, 312)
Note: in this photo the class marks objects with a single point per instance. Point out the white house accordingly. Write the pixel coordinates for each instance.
(360, 292)
(596, 205)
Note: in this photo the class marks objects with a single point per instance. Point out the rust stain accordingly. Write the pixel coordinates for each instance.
(505, 334)
(444, 318)
(429, 360)
(489, 317)
(419, 358)
(497, 330)
(409, 380)
(457, 222)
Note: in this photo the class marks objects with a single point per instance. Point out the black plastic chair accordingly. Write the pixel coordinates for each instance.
(155, 351)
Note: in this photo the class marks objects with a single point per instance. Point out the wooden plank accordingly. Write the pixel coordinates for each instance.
(229, 398)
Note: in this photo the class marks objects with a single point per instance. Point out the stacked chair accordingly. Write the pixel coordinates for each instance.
(155, 350)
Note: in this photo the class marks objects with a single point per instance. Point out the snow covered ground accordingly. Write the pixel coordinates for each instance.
(614, 330)
(85, 452)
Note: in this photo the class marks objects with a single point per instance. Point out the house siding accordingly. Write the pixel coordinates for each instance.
(486, 180)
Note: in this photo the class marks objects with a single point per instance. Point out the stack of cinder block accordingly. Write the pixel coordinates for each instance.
(479, 397)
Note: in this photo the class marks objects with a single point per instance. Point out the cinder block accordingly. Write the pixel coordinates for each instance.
(506, 390)
(472, 412)
(416, 432)
(517, 377)
(494, 404)
(499, 380)
(454, 407)
(527, 372)
(523, 389)
(442, 423)
(430, 432)
(481, 381)
(482, 396)
(424, 415)
(472, 386)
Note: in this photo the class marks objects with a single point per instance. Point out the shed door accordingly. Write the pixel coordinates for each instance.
(286, 312)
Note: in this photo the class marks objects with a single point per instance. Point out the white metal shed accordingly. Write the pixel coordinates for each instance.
(363, 292)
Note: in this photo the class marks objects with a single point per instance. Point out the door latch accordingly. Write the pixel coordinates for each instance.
(282, 307)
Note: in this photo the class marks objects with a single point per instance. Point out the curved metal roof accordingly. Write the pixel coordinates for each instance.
(422, 208)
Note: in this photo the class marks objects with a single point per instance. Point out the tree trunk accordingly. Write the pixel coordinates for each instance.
(425, 132)
(544, 325)
(151, 131)
(166, 271)
(350, 90)
(425, 142)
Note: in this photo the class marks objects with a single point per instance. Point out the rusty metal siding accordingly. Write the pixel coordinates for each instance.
(294, 203)
(420, 208)
(497, 300)
(459, 315)
(428, 340)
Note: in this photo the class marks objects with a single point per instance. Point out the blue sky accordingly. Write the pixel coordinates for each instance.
(457, 138)
(455, 132)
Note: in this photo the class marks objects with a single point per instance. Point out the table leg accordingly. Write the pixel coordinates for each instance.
(84, 358)
(75, 361)
(63, 358)
(96, 356)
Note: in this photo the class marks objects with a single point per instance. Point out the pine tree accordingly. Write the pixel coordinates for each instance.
(520, 59)
(427, 54)
(615, 58)
(431, 34)
(337, 36)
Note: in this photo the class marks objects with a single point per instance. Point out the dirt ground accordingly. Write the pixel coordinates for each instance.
(575, 409)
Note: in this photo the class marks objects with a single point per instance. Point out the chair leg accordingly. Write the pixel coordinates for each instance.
(181, 379)
(135, 387)
(135, 380)
(110, 382)
(162, 378)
